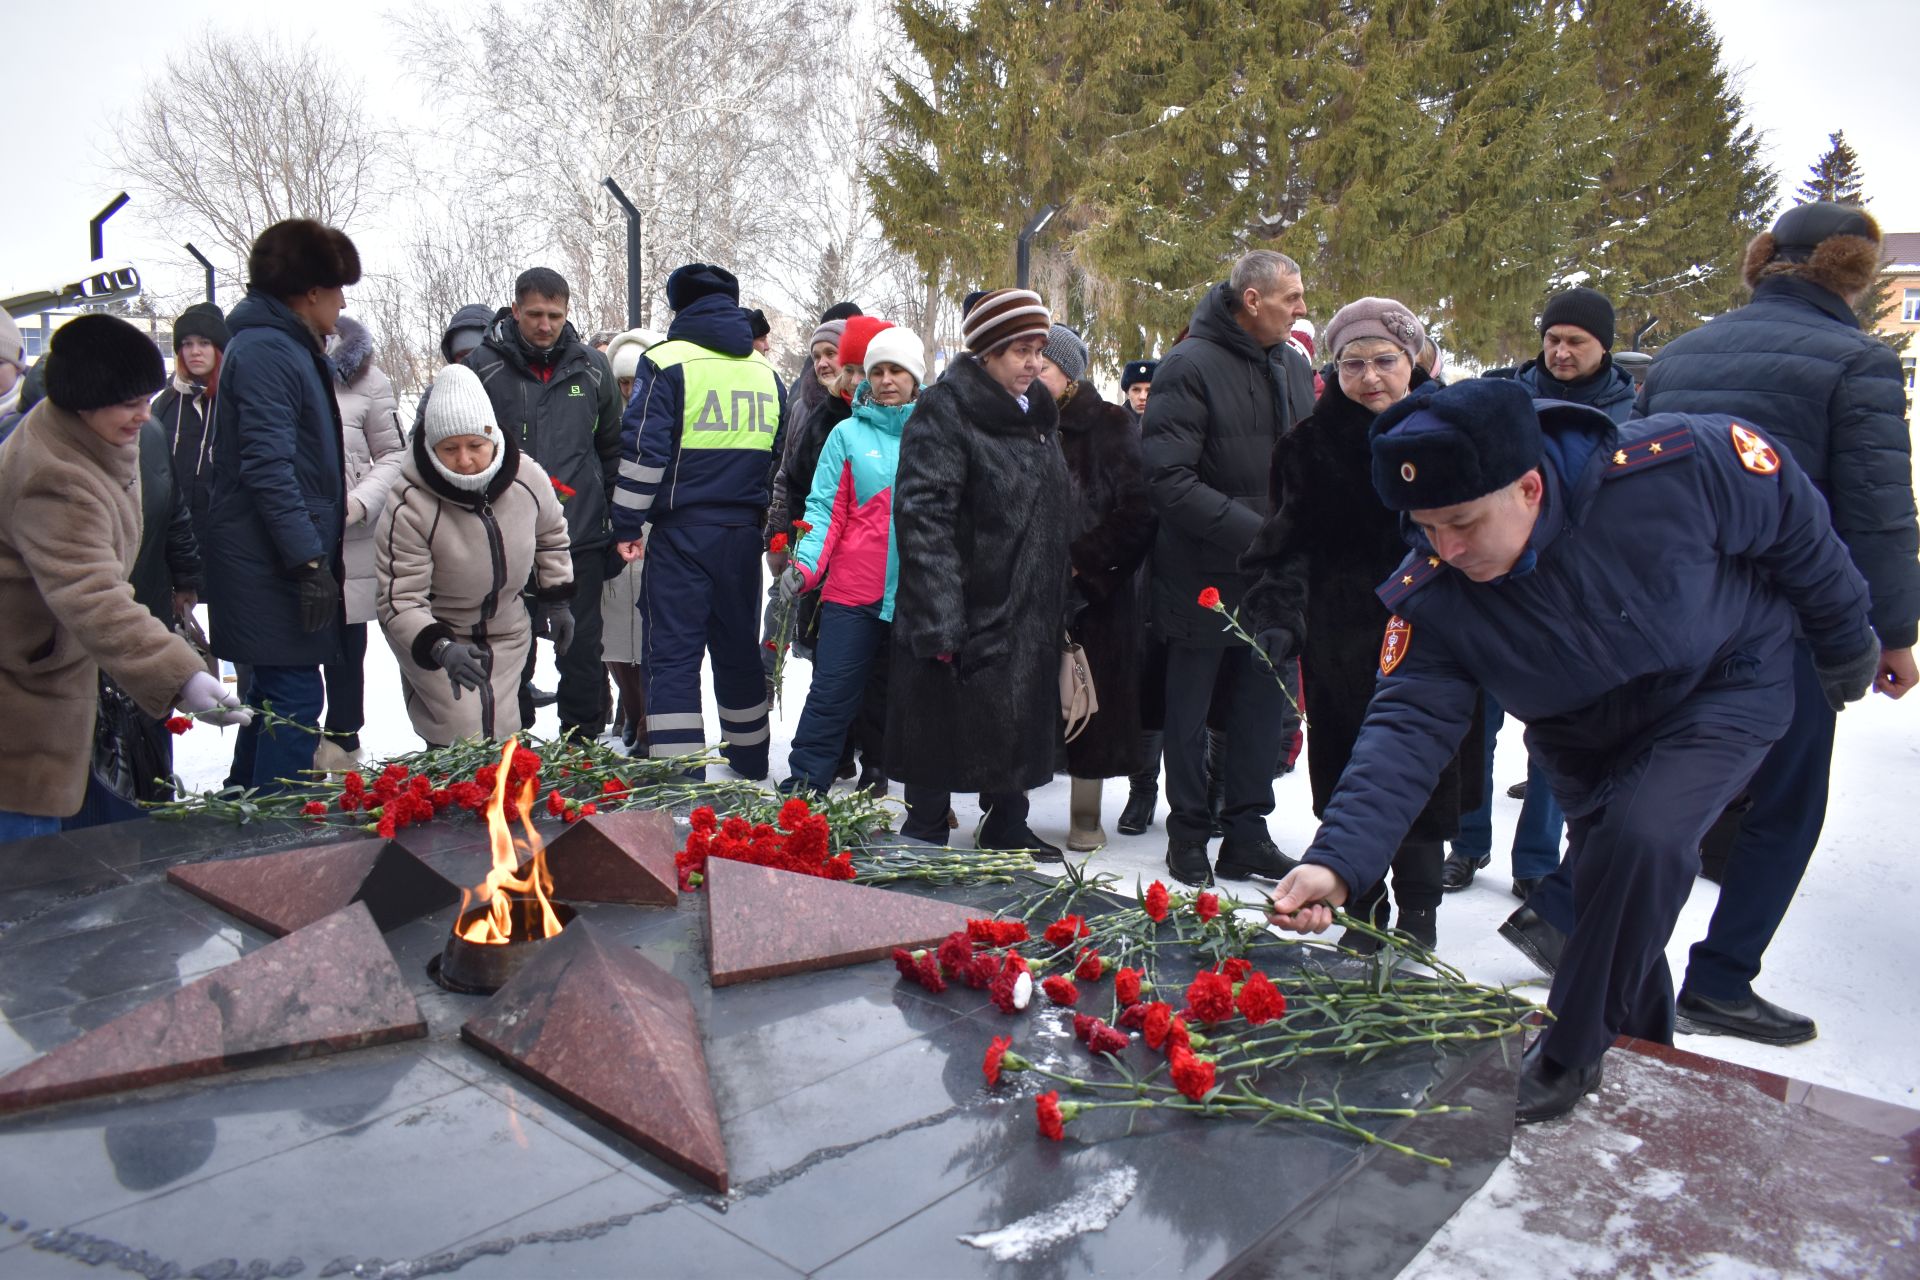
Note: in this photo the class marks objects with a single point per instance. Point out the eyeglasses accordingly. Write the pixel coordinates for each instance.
(1382, 365)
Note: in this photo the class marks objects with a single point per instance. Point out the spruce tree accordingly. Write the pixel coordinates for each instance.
(1835, 176)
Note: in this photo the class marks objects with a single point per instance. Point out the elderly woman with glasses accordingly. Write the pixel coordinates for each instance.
(1316, 563)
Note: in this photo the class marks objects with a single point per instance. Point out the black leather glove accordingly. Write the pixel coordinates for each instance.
(1276, 645)
(319, 595)
(461, 662)
(553, 620)
(1849, 681)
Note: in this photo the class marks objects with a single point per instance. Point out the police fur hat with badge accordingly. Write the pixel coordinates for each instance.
(688, 284)
(1463, 442)
(1138, 371)
(1836, 246)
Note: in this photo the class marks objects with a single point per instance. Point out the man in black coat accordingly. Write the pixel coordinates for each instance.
(1220, 400)
(558, 396)
(1795, 363)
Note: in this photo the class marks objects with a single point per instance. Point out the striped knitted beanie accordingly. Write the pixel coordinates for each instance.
(1003, 315)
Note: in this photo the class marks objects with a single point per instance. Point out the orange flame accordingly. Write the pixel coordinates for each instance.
(505, 882)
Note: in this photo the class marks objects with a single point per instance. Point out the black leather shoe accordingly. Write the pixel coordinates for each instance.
(1187, 863)
(1523, 887)
(1422, 924)
(1456, 873)
(873, 781)
(1020, 838)
(541, 697)
(1363, 944)
(1750, 1019)
(1260, 856)
(1138, 814)
(1537, 940)
(1549, 1090)
(1518, 791)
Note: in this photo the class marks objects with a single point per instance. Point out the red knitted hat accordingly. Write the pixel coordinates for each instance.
(860, 331)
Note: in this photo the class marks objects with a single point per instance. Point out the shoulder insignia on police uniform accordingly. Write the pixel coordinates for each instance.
(1413, 572)
(1650, 451)
(1756, 455)
(1395, 643)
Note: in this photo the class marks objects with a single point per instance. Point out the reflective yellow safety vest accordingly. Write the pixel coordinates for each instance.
(729, 402)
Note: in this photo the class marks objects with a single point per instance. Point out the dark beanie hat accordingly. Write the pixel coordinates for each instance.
(757, 323)
(1460, 443)
(100, 360)
(1582, 308)
(840, 311)
(201, 320)
(966, 303)
(299, 254)
(696, 280)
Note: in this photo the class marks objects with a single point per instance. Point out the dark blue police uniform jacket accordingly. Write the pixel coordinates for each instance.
(1659, 593)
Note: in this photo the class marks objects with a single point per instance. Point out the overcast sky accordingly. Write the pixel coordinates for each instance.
(75, 68)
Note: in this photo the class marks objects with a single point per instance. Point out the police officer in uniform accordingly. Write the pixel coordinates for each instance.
(697, 444)
(1630, 593)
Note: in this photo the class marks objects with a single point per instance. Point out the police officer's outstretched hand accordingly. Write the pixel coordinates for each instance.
(1848, 681)
(1305, 899)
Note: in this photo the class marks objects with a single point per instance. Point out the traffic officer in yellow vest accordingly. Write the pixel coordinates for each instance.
(697, 446)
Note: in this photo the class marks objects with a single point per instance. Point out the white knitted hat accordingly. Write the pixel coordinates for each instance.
(459, 407)
(899, 346)
(624, 352)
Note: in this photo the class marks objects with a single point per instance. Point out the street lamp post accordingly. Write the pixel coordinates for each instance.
(208, 264)
(96, 234)
(633, 251)
(1023, 247)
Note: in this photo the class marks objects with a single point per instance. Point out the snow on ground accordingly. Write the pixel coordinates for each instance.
(1846, 955)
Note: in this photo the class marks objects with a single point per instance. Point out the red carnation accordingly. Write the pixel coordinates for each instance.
(613, 787)
(1154, 1026)
(562, 488)
(803, 526)
(1053, 1123)
(354, 783)
(556, 804)
(1091, 967)
(777, 544)
(1126, 987)
(1134, 1015)
(387, 826)
(1177, 1035)
(1061, 990)
(1106, 1039)
(1210, 598)
(997, 933)
(1083, 1024)
(1206, 906)
(179, 724)
(1210, 996)
(1236, 969)
(1192, 1075)
(1063, 931)
(903, 961)
(926, 971)
(1156, 902)
(996, 1053)
(793, 813)
(588, 809)
(1259, 1000)
(703, 819)
(979, 972)
(314, 808)
(956, 952)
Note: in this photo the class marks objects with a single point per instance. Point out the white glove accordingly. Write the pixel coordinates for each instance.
(211, 701)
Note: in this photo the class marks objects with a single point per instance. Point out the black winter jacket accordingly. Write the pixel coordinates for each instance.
(183, 419)
(568, 422)
(169, 556)
(981, 526)
(1219, 404)
(1795, 362)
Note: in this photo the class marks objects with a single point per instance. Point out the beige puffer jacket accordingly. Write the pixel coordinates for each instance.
(374, 450)
(452, 565)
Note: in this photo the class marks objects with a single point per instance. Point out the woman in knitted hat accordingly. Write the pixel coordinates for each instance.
(620, 596)
(469, 523)
(850, 527)
(981, 523)
(1112, 527)
(1319, 557)
(69, 529)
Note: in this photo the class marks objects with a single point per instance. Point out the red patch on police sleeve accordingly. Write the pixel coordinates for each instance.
(1756, 455)
(1394, 644)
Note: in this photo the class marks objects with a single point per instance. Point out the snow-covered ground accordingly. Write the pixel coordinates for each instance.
(1847, 954)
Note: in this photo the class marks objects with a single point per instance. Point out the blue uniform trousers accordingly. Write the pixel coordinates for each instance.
(1775, 843)
(851, 649)
(700, 595)
(1632, 862)
(1536, 839)
(264, 755)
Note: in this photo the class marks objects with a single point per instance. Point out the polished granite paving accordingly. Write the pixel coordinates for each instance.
(860, 1137)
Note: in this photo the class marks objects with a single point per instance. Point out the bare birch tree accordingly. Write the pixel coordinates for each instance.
(240, 131)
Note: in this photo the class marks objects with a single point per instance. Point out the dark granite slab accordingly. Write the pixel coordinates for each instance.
(330, 987)
(763, 923)
(609, 1031)
(284, 891)
(617, 857)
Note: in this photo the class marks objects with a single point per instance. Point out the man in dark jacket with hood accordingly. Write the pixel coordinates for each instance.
(278, 505)
(1795, 364)
(696, 449)
(1220, 401)
(558, 396)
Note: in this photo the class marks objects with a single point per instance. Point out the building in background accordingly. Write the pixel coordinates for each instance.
(1901, 266)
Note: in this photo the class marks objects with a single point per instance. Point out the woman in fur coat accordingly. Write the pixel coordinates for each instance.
(373, 450)
(470, 522)
(1318, 559)
(1112, 528)
(981, 524)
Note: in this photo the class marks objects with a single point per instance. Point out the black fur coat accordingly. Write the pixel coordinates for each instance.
(1113, 529)
(981, 523)
(1315, 564)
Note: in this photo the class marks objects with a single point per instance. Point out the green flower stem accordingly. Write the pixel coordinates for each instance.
(1233, 625)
